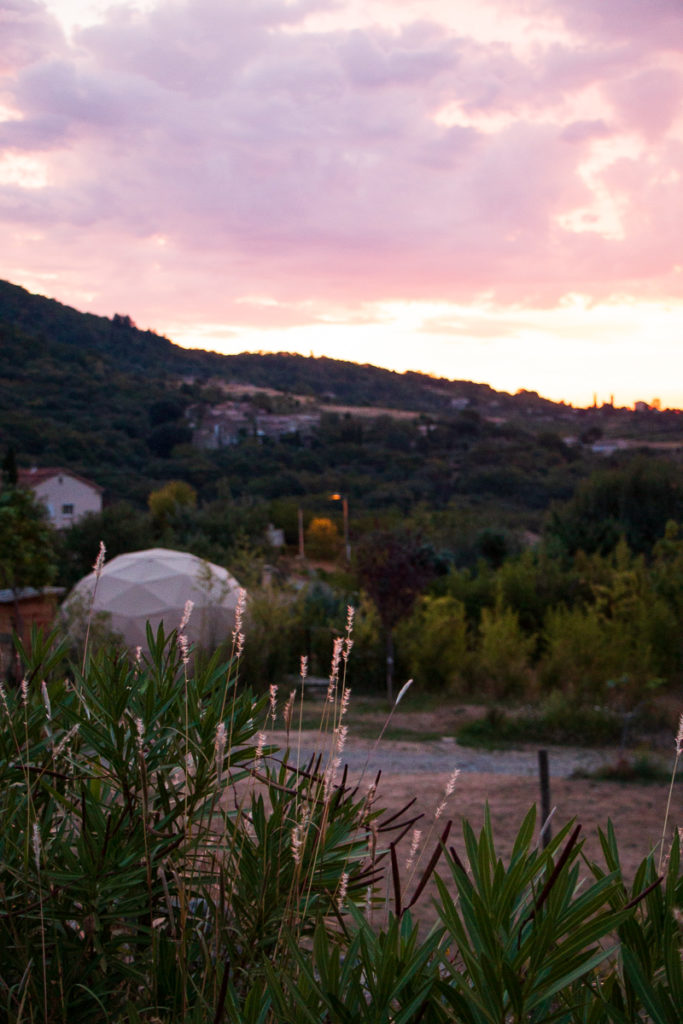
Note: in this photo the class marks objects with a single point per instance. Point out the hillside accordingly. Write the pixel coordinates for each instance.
(131, 409)
(56, 333)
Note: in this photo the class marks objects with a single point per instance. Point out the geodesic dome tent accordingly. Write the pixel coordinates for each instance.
(153, 586)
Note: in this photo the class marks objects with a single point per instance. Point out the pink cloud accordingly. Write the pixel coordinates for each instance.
(643, 24)
(210, 150)
(649, 101)
(28, 32)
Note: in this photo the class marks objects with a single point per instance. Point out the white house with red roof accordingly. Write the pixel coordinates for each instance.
(67, 496)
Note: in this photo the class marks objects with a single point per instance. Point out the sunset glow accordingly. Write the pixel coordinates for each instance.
(489, 192)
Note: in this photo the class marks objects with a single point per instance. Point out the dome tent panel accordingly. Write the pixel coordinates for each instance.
(154, 585)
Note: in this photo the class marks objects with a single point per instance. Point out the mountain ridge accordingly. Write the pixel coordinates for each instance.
(136, 349)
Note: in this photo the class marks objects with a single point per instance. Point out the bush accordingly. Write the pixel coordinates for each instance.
(151, 854)
(577, 656)
(504, 652)
(322, 538)
(558, 720)
(273, 651)
(160, 863)
(433, 643)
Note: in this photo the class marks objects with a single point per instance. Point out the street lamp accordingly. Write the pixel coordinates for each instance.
(345, 510)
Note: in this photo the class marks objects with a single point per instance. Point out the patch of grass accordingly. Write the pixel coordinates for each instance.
(363, 722)
(368, 730)
(640, 770)
(568, 725)
(494, 730)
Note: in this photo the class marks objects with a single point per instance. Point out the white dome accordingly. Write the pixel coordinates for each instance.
(153, 586)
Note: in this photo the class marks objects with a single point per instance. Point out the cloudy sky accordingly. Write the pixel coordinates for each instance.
(486, 190)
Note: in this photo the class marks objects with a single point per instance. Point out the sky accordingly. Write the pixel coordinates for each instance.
(488, 192)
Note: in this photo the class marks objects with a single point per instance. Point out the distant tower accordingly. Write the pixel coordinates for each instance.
(611, 400)
(595, 399)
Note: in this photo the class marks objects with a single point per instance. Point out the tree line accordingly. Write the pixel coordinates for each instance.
(592, 611)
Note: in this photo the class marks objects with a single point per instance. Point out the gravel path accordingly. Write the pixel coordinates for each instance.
(434, 757)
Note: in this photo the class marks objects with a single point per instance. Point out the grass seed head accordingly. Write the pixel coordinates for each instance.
(187, 612)
(414, 844)
(98, 564)
(402, 692)
(288, 710)
(36, 844)
(258, 755)
(297, 842)
(184, 647)
(46, 700)
(219, 746)
(336, 658)
(343, 886)
(450, 786)
(239, 614)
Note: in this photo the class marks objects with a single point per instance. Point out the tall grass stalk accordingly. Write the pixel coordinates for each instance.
(98, 566)
(417, 853)
(399, 697)
(679, 751)
(37, 854)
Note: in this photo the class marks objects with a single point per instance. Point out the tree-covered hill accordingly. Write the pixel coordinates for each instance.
(122, 406)
(61, 334)
(109, 400)
(60, 330)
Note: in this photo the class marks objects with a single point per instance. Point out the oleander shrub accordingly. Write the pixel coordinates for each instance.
(155, 853)
(162, 862)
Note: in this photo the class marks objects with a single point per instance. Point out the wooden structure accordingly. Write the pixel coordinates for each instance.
(19, 612)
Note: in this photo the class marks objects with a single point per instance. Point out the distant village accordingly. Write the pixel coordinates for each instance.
(263, 413)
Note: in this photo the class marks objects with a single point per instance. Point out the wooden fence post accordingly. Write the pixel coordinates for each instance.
(544, 778)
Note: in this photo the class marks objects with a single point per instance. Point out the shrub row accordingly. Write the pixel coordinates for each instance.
(160, 862)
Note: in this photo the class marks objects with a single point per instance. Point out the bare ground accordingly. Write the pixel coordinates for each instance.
(637, 812)
(508, 782)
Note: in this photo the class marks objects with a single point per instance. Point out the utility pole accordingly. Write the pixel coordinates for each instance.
(345, 513)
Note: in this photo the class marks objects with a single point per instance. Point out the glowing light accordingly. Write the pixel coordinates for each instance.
(73, 14)
(24, 171)
(565, 354)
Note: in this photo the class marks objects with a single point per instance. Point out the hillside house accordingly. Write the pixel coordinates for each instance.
(229, 422)
(67, 496)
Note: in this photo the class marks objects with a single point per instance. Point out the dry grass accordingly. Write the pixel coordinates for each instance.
(637, 811)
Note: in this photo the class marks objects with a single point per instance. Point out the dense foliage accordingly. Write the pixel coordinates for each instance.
(535, 624)
(27, 542)
(160, 862)
(119, 404)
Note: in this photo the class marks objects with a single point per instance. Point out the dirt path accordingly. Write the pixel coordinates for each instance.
(436, 757)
